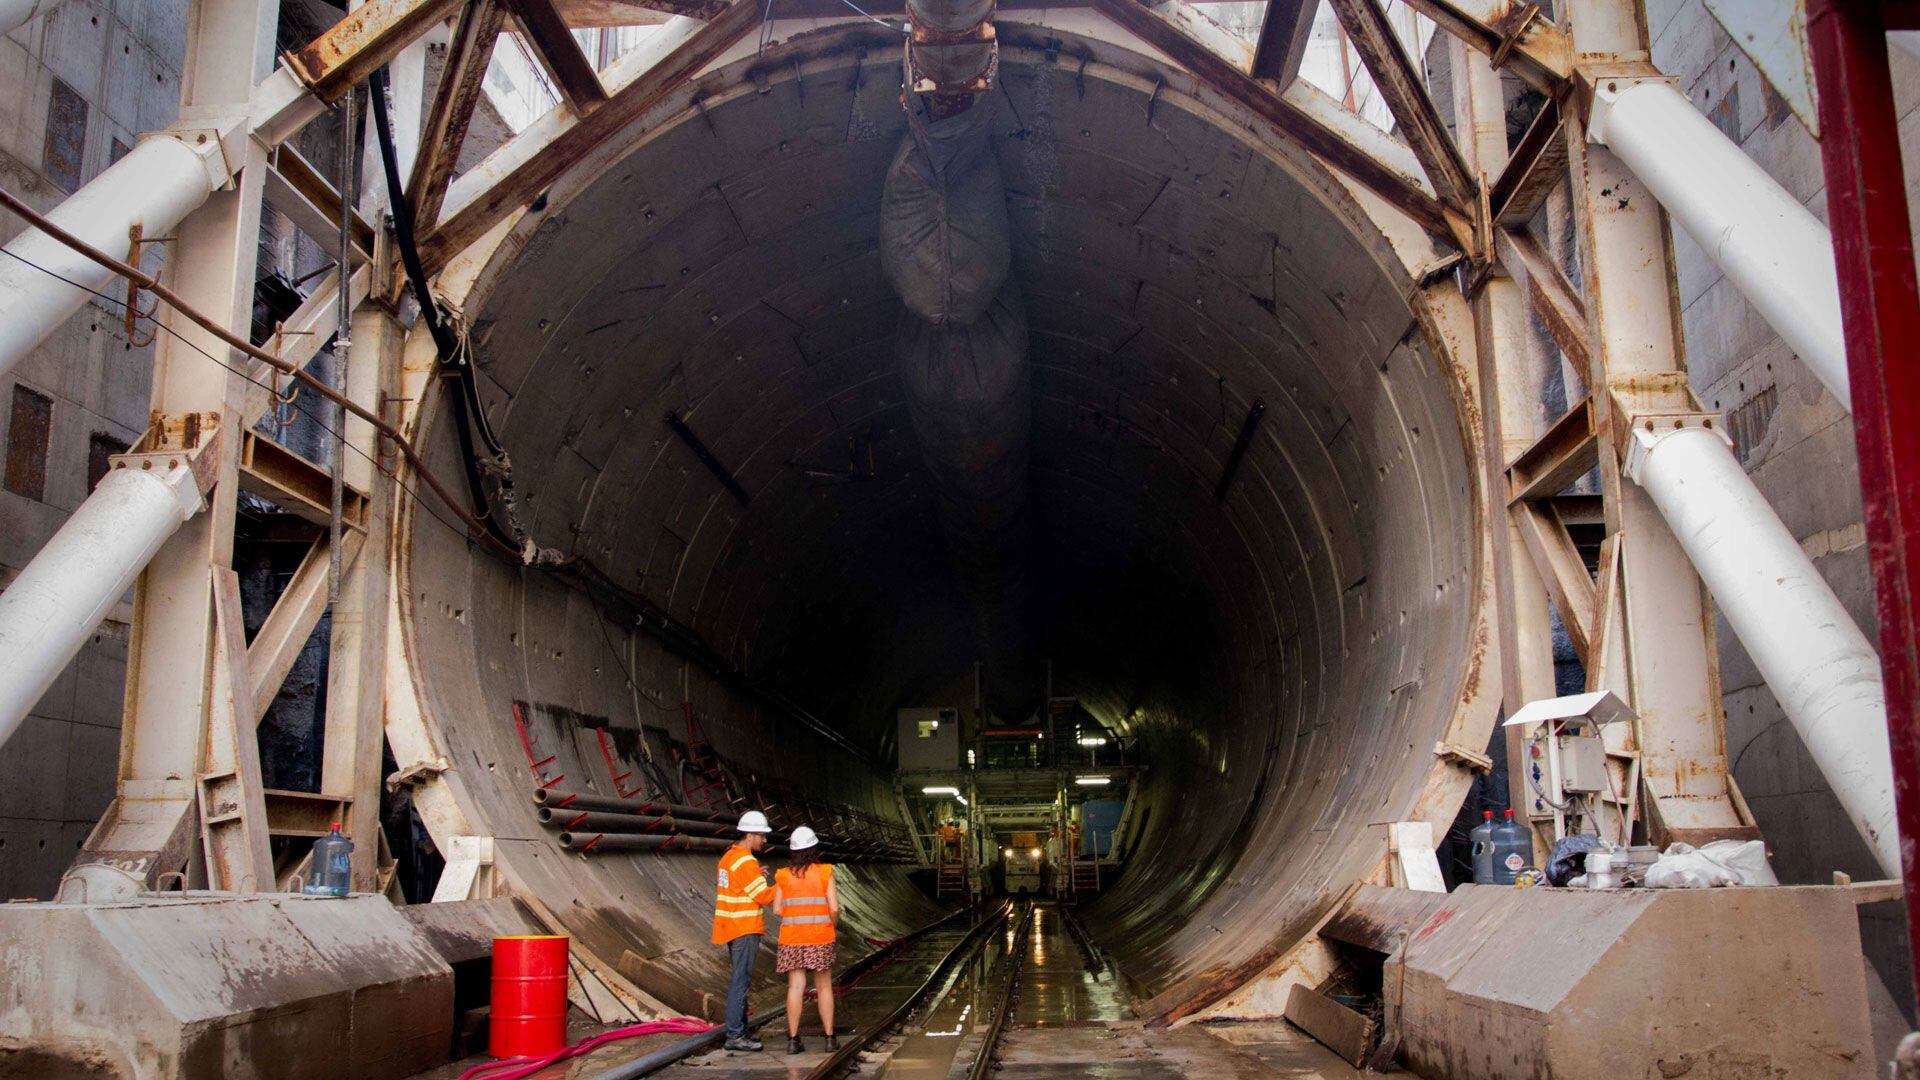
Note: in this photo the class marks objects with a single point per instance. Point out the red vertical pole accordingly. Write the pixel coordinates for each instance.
(1880, 309)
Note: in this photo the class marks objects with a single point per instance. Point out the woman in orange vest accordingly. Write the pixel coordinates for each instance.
(808, 906)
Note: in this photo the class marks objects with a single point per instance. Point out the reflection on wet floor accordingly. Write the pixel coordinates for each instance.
(1069, 1021)
(1057, 987)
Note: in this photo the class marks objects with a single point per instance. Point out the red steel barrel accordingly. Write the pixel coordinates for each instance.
(529, 1014)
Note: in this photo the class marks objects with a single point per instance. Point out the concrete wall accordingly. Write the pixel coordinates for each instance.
(1794, 439)
(122, 59)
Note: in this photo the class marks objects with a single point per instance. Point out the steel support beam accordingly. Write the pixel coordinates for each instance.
(1537, 165)
(1554, 298)
(1214, 71)
(356, 672)
(522, 183)
(370, 36)
(1672, 672)
(1515, 35)
(560, 55)
(1767, 243)
(1510, 386)
(171, 656)
(1405, 91)
(454, 101)
(281, 637)
(1284, 31)
(1873, 250)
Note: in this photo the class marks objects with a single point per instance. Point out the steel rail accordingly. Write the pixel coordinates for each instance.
(859, 1043)
(1003, 1006)
(1070, 918)
(685, 1048)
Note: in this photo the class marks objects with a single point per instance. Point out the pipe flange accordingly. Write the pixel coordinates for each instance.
(1599, 86)
(1651, 429)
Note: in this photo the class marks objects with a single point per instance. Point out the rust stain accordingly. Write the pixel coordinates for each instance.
(1476, 661)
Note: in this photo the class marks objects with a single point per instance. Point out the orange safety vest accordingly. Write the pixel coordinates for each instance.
(802, 906)
(743, 891)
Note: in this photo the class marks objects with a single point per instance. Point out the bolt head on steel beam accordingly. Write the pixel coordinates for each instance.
(1597, 86)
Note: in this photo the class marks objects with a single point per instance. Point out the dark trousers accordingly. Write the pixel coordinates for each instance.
(741, 951)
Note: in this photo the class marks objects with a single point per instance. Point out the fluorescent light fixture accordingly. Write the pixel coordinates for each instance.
(1092, 740)
(1093, 781)
(939, 791)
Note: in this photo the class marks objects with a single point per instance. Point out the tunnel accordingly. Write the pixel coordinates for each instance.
(1286, 635)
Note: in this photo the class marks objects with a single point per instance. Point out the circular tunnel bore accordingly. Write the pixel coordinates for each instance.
(1286, 656)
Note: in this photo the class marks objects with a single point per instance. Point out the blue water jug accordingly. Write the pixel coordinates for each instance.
(332, 865)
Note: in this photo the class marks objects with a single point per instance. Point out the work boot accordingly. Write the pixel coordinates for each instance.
(833, 1041)
(745, 1043)
(795, 1046)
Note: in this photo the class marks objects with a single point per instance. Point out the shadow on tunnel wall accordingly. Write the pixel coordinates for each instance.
(1288, 654)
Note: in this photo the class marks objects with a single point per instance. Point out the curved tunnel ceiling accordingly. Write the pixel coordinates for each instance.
(1285, 654)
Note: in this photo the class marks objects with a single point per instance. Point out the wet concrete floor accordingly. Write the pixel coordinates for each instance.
(1070, 1020)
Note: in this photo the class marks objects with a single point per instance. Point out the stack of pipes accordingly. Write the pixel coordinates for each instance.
(597, 823)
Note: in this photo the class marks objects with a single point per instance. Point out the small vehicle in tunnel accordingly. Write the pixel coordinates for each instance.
(1023, 863)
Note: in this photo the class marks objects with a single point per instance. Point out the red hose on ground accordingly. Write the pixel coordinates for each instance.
(526, 1066)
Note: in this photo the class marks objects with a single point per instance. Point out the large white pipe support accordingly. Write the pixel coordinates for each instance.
(1772, 248)
(1815, 659)
(57, 601)
(155, 186)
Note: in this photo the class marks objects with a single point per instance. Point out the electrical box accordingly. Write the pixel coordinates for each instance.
(1583, 764)
(929, 740)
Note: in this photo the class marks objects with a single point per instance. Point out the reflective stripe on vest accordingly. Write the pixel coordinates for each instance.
(735, 910)
(810, 922)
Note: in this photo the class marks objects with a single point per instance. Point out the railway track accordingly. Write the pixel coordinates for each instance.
(920, 1000)
(945, 982)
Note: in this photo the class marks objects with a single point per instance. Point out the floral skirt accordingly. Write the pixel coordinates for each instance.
(804, 958)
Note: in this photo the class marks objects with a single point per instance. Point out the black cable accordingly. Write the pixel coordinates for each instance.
(444, 341)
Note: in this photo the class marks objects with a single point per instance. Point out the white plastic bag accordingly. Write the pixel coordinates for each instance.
(1723, 862)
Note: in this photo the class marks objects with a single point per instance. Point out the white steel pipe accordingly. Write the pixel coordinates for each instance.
(57, 601)
(1770, 246)
(1817, 662)
(155, 186)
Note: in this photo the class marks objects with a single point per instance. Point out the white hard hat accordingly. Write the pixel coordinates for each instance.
(754, 821)
(802, 839)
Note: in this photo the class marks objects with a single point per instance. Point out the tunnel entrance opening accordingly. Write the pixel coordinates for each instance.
(1280, 644)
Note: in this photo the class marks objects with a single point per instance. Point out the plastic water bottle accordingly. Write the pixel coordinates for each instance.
(1511, 849)
(1482, 837)
(332, 865)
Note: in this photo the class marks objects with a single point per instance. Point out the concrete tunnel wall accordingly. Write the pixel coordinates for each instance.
(1287, 656)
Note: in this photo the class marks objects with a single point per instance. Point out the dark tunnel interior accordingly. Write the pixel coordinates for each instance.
(1285, 654)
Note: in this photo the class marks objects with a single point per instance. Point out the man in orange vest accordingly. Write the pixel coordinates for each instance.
(737, 922)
